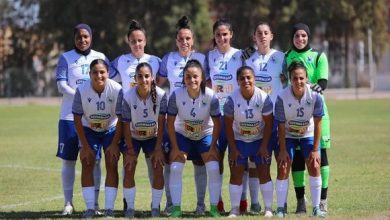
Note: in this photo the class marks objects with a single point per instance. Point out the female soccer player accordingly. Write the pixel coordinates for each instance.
(172, 70)
(193, 125)
(298, 111)
(143, 114)
(72, 70)
(268, 66)
(248, 125)
(96, 105)
(221, 66)
(316, 64)
(124, 67)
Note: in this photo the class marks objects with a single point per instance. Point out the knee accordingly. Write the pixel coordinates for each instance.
(177, 168)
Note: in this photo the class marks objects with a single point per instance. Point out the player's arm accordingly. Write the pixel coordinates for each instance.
(62, 78)
(280, 118)
(268, 119)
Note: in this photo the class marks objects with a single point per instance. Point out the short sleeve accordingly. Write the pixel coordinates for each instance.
(318, 107)
(77, 107)
(62, 69)
(280, 117)
(172, 107)
(215, 111)
(228, 107)
(268, 106)
(163, 72)
(118, 108)
(163, 105)
(126, 111)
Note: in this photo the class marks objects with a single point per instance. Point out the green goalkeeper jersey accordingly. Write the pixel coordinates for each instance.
(316, 63)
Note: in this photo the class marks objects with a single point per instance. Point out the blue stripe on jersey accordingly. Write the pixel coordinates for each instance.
(126, 111)
(214, 107)
(228, 107)
(268, 106)
(172, 107)
(163, 67)
(118, 107)
(280, 116)
(163, 105)
(77, 107)
(318, 107)
(62, 69)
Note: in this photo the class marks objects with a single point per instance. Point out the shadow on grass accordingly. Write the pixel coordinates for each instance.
(78, 215)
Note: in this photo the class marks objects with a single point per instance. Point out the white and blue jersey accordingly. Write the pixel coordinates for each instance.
(172, 66)
(140, 114)
(221, 69)
(267, 71)
(73, 68)
(298, 114)
(193, 116)
(99, 110)
(248, 124)
(124, 68)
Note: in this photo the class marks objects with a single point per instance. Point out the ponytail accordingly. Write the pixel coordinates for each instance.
(153, 94)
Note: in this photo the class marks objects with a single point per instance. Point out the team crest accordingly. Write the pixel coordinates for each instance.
(238, 105)
(110, 99)
(257, 105)
(184, 103)
(309, 59)
(273, 59)
(135, 106)
(175, 63)
(89, 99)
(204, 103)
(289, 105)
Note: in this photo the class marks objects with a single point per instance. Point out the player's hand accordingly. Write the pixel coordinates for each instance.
(247, 52)
(87, 155)
(157, 158)
(130, 160)
(175, 155)
(113, 153)
(317, 88)
(283, 159)
(234, 155)
(213, 153)
(264, 153)
(314, 158)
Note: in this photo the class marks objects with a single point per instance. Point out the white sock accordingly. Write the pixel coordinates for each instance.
(267, 191)
(200, 174)
(245, 178)
(129, 194)
(254, 185)
(235, 194)
(315, 190)
(167, 173)
(212, 168)
(89, 197)
(110, 196)
(68, 175)
(175, 182)
(97, 175)
(156, 198)
(281, 188)
(150, 169)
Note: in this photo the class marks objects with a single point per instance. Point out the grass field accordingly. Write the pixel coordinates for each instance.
(30, 184)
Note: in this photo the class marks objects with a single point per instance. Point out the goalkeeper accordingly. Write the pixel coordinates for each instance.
(317, 69)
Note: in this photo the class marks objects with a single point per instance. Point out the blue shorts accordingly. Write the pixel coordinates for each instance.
(192, 147)
(99, 140)
(249, 151)
(193, 155)
(222, 140)
(146, 145)
(306, 145)
(68, 142)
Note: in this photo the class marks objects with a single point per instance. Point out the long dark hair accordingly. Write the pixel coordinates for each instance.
(183, 23)
(196, 63)
(296, 65)
(218, 23)
(153, 91)
(98, 61)
(262, 23)
(242, 69)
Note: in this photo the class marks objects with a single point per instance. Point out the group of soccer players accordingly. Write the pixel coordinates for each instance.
(252, 102)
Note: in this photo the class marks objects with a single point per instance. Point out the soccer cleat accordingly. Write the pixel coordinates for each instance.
(324, 205)
(129, 213)
(200, 209)
(155, 213)
(235, 212)
(176, 212)
(255, 208)
(301, 206)
(68, 209)
(318, 213)
(90, 213)
(214, 211)
(280, 212)
(220, 206)
(268, 212)
(243, 206)
(109, 213)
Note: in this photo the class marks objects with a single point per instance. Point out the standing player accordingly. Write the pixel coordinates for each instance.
(171, 69)
(72, 70)
(124, 67)
(316, 64)
(268, 66)
(143, 113)
(248, 125)
(221, 66)
(95, 108)
(298, 111)
(194, 125)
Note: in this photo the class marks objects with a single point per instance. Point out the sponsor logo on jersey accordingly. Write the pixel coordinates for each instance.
(222, 77)
(145, 124)
(80, 81)
(263, 78)
(100, 116)
(178, 84)
(298, 123)
(250, 124)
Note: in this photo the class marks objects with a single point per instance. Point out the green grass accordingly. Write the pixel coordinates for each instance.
(30, 185)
